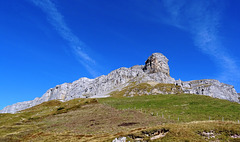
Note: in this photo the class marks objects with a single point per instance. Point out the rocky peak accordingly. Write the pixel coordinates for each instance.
(157, 62)
(155, 71)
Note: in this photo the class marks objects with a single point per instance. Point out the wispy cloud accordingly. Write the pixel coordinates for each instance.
(56, 19)
(202, 20)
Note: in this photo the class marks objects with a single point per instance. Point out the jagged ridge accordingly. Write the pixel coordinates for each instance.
(155, 70)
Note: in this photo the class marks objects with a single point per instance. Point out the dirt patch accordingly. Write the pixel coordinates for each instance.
(149, 134)
(99, 119)
(128, 124)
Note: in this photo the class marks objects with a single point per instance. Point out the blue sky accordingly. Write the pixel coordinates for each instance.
(50, 42)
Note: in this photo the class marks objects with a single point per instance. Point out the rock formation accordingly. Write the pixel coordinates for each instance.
(155, 70)
(212, 88)
(157, 63)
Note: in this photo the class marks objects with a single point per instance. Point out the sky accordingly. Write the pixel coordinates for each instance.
(49, 42)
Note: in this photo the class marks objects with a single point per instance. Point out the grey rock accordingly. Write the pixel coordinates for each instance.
(120, 139)
(156, 70)
(148, 88)
(210, 87)
(157, 62)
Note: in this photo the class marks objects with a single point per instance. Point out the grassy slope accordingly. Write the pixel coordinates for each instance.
(185, 106)
(107, 118)
(140, 89)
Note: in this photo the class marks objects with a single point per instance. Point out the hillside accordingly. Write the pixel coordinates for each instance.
(155, 72)
(175, 117)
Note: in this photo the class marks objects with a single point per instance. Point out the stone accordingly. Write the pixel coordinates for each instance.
(210, 87)
(161, 135)
(120, 139)
(155, 71)
(157, 62)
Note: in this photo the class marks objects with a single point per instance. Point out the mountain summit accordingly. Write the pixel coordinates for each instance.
(154, 74)
(157, 62)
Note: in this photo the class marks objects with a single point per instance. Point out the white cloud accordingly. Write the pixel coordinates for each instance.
(202, 20)
(57, 20)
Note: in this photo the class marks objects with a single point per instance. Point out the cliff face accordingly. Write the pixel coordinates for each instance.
(212, 88)
(155, 70)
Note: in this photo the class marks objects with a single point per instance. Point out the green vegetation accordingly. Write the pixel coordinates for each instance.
(193, 132)
(14, 127)
(171, 88)
(135, 89)
(146, 88)
(138, 117)
(186, 107)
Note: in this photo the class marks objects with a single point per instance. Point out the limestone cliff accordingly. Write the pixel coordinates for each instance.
(155, 70)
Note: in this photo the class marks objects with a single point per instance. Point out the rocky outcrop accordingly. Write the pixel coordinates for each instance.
(209, 87)
(239, 97)
(157, 62)
(155, 70)
(147, 88)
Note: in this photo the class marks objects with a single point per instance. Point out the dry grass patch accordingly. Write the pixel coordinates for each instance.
(187, 132)
(99, 119)
(134, 117)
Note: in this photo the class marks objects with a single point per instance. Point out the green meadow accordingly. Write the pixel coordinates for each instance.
(179, 117)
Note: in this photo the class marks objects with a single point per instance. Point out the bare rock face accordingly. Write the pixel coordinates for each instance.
(209, 87)
(155, 70)
(157, 62)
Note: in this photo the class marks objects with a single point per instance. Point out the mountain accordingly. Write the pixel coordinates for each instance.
(151, 78)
